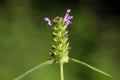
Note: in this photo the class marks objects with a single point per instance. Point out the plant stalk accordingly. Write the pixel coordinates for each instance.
(61, 71)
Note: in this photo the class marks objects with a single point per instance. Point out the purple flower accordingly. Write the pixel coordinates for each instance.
(48, 20)
(68, 11)
(70, 17)
(67, 17)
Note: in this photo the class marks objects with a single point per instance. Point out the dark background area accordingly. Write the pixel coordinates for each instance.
(25, 39)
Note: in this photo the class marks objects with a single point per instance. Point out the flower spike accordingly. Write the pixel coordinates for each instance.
(60, 47)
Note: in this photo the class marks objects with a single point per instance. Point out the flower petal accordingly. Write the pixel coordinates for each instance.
(48, 20)
(68, 11)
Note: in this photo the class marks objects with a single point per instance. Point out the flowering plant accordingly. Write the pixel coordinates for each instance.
(60, 47)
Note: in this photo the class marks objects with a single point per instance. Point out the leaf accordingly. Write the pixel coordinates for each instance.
(35, 68)
(91, 67)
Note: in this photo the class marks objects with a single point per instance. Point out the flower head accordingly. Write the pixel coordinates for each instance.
(48, 20)
(60, 47)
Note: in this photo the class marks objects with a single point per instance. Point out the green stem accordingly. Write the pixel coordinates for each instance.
(34, 68)
(91, 67)
(61, 71)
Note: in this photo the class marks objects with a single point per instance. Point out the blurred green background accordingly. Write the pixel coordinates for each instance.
(25, 40)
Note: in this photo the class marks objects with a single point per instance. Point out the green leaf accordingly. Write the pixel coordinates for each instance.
(35, 68)
(91, 67)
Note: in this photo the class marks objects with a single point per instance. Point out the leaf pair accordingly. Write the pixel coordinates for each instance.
(52, 62)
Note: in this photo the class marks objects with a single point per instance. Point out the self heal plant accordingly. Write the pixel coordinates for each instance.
(60, 46)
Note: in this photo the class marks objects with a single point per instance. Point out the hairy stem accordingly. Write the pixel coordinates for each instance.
(35, 68)
(91, 67)
(61, 71)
